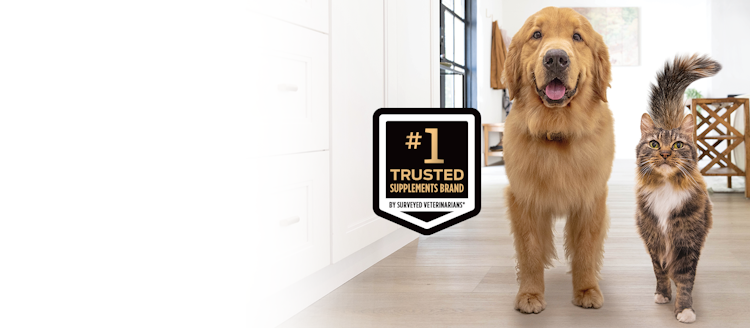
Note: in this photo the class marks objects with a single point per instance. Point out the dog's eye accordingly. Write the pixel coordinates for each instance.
(677, 145)
(537, 35)
(577, 37)
(653, 144)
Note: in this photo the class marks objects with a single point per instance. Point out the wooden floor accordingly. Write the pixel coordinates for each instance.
(464, 276)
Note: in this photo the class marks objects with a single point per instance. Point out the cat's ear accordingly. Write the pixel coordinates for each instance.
(647, 124)
(687, 125)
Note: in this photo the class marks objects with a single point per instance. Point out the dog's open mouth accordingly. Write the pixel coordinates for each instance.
(555, 90)
(556, 93)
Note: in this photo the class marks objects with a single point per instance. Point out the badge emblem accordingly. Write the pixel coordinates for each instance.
(426, 173)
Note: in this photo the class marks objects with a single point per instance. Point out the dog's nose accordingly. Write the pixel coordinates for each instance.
(556, 60)
(665, 154)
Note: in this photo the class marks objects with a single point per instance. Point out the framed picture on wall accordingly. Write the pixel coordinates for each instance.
(619, 26)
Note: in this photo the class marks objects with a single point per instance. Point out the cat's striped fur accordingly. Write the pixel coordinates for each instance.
(665, 105)
(674, 211)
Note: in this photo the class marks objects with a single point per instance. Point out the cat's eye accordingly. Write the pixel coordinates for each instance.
(653, 144)
(677, 145)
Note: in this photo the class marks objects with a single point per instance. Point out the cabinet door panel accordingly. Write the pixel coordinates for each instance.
(296, 216)
(312, 14)
(358, 90)
(291, 84)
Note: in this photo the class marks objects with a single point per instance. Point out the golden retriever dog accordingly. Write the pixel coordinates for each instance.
(559, 146)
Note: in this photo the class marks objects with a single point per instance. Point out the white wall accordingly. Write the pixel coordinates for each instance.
(490, 101)
(667, 28)
(730, 23)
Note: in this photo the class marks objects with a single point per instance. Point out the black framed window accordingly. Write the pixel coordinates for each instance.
(456, 53)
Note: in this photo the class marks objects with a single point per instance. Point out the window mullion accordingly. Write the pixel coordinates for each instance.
(455, 67)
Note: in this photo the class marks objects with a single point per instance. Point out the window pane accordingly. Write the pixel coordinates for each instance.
(460, 47)
(448, 3)
(459, 87)
(448, 91)
(448, 17)
(460, 7)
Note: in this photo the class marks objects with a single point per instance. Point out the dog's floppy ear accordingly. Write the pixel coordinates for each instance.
(513, 72)
(602, 75)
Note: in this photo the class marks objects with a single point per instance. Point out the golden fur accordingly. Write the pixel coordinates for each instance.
(558, 156)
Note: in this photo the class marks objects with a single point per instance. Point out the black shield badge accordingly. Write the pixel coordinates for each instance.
(426, 173)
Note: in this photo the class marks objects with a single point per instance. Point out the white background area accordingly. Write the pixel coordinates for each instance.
(730, 45)
(125, 178)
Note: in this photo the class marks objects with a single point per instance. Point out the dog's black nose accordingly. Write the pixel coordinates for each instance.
(556, 60)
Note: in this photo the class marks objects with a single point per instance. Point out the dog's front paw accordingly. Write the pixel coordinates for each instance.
(660, 299)
(530, 303)
(686, 316)
(588, 298)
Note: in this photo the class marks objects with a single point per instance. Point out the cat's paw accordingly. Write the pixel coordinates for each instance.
(588, 298)
(530, 302)
(660, 299)
(686, 316)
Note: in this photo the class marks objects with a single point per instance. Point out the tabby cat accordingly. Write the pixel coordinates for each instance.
(674, 211)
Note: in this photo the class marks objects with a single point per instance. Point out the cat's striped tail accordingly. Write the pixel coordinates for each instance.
(665, 106)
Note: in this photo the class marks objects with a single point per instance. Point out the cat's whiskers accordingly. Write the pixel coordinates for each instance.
(684, 170)
(686, 164)
(645, 170)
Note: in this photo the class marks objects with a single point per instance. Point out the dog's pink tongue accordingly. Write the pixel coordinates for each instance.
(555, 90)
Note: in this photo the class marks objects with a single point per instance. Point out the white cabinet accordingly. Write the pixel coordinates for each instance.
(358, 89)
(318, 93)
(292, 79)
(384, 53)
(296, 222)
(312, 14)
(291, 137)
(412, 51)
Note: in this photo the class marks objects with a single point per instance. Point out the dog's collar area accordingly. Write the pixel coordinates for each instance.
(555, 136)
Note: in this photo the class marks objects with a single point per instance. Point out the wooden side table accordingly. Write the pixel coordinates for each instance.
(491, 127)
(718, 113)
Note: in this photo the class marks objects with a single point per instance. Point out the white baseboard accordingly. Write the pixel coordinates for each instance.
(304, 293)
